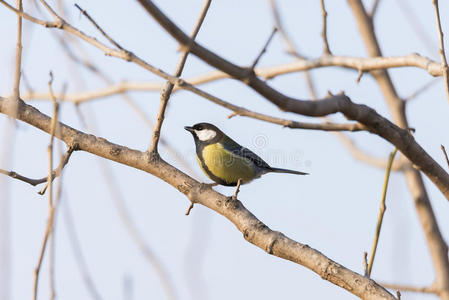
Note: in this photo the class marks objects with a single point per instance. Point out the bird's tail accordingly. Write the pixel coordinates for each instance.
(278, 170)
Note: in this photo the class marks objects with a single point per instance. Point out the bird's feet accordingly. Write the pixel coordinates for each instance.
(237, 189)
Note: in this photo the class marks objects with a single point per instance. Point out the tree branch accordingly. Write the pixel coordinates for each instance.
(18, 66)
(442, 53)
(355, 63)
(326, 50)
(264, 49)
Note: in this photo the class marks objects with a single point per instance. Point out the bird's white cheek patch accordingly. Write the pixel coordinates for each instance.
(205, 134)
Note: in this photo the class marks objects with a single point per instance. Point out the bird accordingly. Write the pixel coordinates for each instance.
(225, 161)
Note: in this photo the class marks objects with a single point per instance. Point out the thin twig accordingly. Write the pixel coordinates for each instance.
(51, 208)
(264, 49)
(326, 50)
(381, 212)
(166, 92)
(31, 181)
(190, 208)
(356, 63)
(18, 66)
(52, 237)
(445, 154)
(444, 66)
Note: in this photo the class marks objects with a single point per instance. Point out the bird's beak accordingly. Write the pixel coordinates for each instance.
(188, 128)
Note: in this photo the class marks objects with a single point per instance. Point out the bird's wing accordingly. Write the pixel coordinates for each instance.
(236, 149)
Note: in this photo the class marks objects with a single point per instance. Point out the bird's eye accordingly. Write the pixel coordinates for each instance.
(200, 127)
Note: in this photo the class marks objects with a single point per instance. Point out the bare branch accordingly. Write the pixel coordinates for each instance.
(326, 50)
(18, 66)
(51, 208)
(253, 230)
(264, 49)
(356, 63)
(382, 210)
(445, 154)
(444, 66)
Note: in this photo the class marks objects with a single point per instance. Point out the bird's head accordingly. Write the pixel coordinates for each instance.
(205, 133)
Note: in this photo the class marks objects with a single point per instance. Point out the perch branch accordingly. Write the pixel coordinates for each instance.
(254, 231)
(264, 49)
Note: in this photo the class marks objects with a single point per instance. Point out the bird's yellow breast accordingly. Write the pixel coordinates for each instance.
(226, 165)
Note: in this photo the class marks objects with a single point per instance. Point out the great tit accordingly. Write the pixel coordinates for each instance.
(226, 162)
